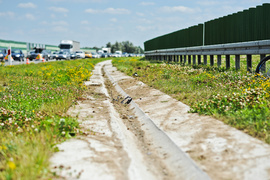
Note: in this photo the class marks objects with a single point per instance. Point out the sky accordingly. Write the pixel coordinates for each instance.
(97, 22)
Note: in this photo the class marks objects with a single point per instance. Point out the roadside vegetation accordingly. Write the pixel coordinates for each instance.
(33, 103)
(238, 98)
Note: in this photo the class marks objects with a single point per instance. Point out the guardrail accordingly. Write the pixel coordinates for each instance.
(184, 55)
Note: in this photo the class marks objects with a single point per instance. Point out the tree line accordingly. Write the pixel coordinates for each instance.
(125, 46)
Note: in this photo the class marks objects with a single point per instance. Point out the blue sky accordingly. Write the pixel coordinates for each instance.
(97, 22)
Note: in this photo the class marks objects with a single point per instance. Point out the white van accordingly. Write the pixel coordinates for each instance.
(80, 54)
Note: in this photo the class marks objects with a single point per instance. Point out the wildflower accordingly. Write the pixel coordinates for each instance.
(10, 120)
(63, 132)
(36, 129)
(2, 124)
(33, 126)
(11, 165)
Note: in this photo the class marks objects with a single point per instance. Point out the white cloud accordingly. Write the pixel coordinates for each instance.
(27, 5)
(60, 29)
(30, 16)
(108, 11)
(116, 11)
(7, 14)
(140, 14)
(92, 11)
(144, 20)
(144, 28)
(59, 9)
(181, 9)
(54, 23)
(60, 23)
(147, 3)
(113, 20)
(85, 22)
(208, 3)
(53, 16)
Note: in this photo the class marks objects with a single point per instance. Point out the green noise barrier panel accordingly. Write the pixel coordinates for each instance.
(244, 26)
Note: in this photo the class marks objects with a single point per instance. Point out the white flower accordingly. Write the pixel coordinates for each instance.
(63, 132)
(2, 124)
(36, 129)
(32, 126)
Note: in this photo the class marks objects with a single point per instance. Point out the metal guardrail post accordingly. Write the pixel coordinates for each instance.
(263, 66)
(228, 62)
(249, 63)
(194, 59)
(189, 59)
(199, 59)
(211, 60)
(237, 62)
(218, 60)
(205, 59)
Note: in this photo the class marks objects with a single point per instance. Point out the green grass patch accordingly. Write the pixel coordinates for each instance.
(239, 98)
(33, 103)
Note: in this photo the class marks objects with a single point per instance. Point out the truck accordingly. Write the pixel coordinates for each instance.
(105, 50)
(69, 45)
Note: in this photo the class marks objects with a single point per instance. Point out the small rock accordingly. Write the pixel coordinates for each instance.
(124, 116)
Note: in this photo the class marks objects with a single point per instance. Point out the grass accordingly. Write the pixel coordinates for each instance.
(239, 98)
(33, 103)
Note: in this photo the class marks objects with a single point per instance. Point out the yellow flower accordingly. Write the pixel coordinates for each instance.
(11, 165)
(3, 147)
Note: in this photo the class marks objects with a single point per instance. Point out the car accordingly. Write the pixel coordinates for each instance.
(80, 54)
(3, 53)
(73, 56)
(39, 54)
(95, 55)
(29, 53)
(88, 54)
(17, 54)
(54, 54)
(104, 55)
(116, 55)
(49, 54)
(63, 55)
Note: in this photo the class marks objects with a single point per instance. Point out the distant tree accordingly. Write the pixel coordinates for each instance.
(96, 48)
(139, 50)
(108, 45)
(116, 47)
(125, 46)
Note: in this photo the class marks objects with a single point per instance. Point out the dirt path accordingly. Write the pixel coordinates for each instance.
(116, 146)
